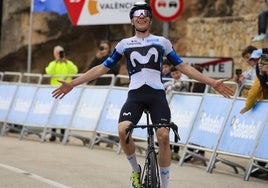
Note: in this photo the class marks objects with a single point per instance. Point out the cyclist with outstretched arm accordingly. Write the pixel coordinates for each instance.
(144, 54)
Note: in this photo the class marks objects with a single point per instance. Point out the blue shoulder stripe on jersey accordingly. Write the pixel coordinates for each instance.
(112, 60)
(173, 58)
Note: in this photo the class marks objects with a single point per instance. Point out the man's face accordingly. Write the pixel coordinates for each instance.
(165, 69)
(263, 64)
(250, 61)
(104, 49)
(141, 20)
(253, 62)
(176, 74)
(247, 56)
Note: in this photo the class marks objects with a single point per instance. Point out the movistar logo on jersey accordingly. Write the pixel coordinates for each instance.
(136, 56)
(127, 114)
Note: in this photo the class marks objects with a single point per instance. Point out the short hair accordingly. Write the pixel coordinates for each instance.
(166, 62)
(248, 50)
(173, 69)
(57, 49)
(106, 42)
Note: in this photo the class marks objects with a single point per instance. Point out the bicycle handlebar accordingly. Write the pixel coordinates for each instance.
(172, 125)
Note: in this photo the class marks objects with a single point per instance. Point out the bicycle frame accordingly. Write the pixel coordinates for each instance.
(151, 178)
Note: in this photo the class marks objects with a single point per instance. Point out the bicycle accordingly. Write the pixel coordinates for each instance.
(150, 176)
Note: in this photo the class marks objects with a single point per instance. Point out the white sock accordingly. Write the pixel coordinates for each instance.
(164, 171)
(133, 162)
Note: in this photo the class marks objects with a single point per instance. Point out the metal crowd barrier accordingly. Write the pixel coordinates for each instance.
(207, 121)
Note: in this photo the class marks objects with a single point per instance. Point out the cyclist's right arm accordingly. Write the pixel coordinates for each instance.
(90, 75)
(98, 70)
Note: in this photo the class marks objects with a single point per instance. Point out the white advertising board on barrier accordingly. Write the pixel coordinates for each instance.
(260, 153)
(210, 121)
(184, 108)
(262, 149)
(242, 130)
(7, 92)
(62, 112)
(89, 109)
(41, 107)
(22, 103)
(110, 114)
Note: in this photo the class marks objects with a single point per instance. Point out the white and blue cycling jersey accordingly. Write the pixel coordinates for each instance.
(144, 57)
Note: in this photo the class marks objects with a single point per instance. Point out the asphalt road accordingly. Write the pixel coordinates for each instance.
(28, 163)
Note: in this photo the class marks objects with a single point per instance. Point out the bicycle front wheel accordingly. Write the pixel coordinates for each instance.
(153, 172)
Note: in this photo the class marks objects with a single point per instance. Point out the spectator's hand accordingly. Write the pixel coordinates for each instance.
(260, 65)
(243, 110)
(241, 79)
(62, 90)
(223, 89)
(236, 78)
(263, 68)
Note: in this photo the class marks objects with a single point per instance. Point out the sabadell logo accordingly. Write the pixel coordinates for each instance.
(94, 7)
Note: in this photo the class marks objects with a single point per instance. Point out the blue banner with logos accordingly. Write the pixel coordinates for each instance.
(262, 149)
(22, 103)
(242, 130)
(89, 109)
(64, 109)
(41, 108)
(109, 118)
(7, 92)
(184, 108)
(210, 120)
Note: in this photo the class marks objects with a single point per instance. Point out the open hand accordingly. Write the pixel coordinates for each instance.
(62, 90)
(243, 110)
(223, 89)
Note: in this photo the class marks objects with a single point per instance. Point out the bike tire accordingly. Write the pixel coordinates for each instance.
(153, 173)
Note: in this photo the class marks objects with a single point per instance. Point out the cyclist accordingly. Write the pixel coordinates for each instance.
(144, 54)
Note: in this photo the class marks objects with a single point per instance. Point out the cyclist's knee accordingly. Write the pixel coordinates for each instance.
(163, 136)
(122, 128)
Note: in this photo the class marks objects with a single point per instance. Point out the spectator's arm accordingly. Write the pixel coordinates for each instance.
(254, 94)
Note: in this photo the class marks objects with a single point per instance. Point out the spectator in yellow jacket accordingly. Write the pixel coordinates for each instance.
(256, 93)
(59, 69)
(258, 90)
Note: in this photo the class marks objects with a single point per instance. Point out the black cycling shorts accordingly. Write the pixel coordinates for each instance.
(148, 98)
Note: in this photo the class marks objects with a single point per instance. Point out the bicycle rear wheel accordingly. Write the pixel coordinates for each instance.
(152, 180)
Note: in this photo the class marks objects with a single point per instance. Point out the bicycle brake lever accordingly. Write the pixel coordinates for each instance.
(176, 134)
(128, 132)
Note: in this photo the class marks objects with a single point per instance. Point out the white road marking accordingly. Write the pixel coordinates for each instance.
(34, 176)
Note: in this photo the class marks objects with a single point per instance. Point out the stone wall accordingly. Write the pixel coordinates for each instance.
(222, 37)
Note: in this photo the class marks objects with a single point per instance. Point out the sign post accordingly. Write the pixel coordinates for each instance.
(167, 10)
